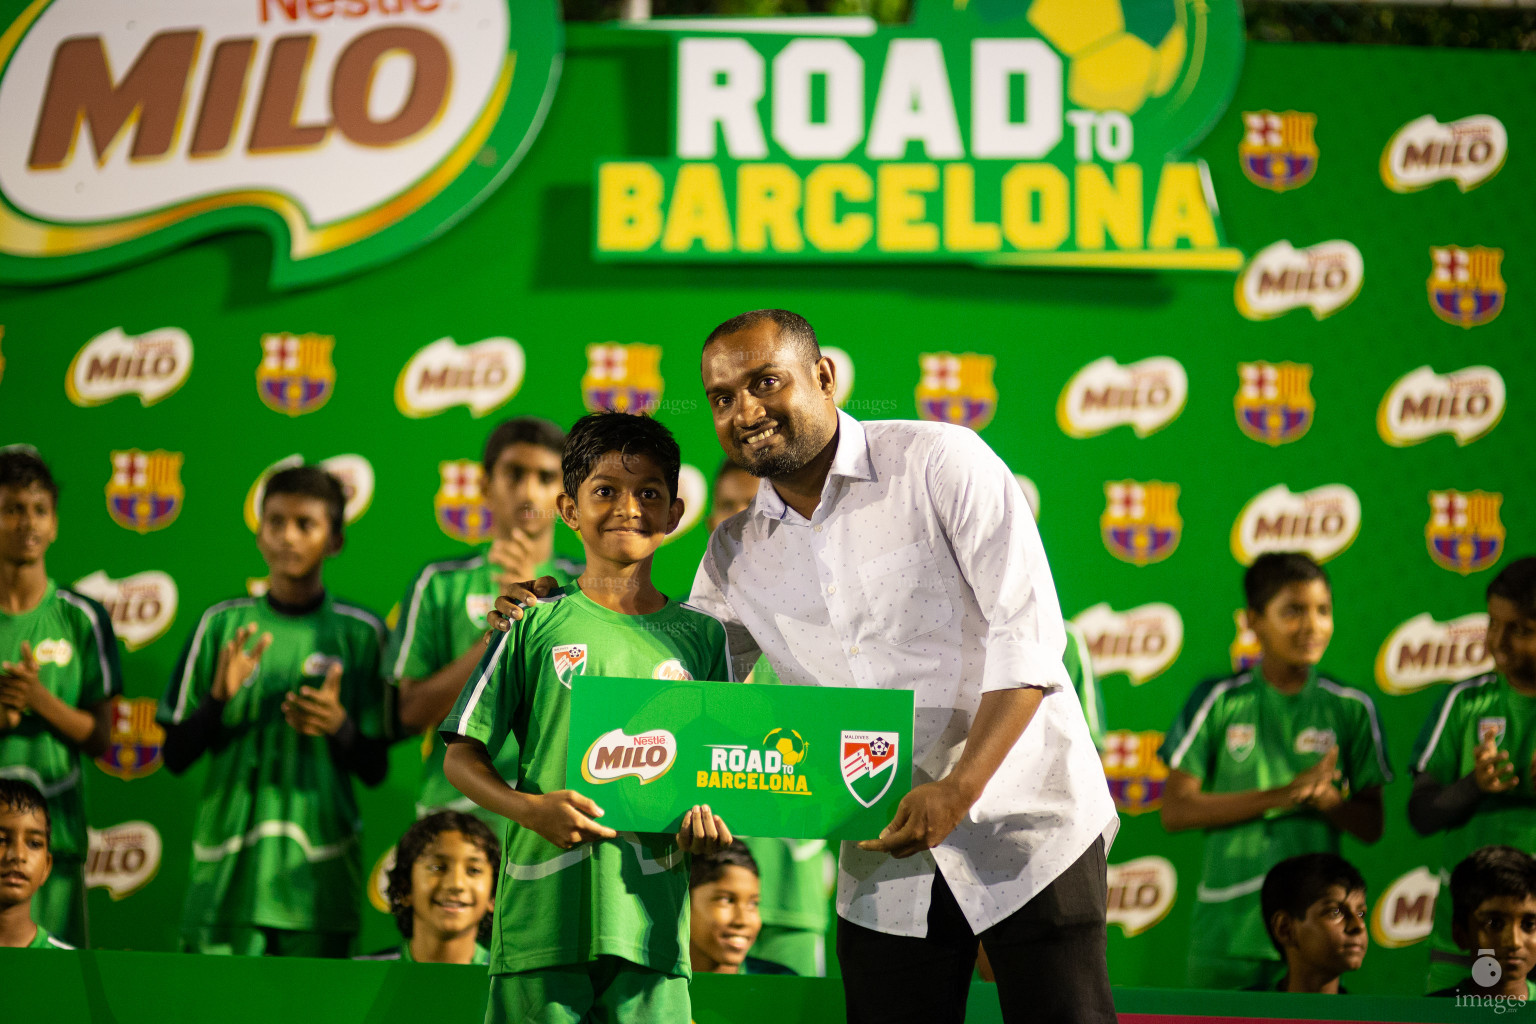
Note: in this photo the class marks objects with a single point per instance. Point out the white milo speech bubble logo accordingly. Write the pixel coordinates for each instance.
(1467, 151)
(1141, 892)
(153, 365)
(1405, 911)
(142, 606)
(1323, 522)
(1146, 396)
(1466, 403)
(123, 858)
(615, 754)
(1324, 278)
(1423, 651)
(1142, 642)
(483, 376)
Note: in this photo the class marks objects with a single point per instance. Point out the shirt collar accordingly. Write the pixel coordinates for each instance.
(851, 460)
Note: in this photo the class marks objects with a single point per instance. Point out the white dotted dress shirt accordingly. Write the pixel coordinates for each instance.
(921, 569)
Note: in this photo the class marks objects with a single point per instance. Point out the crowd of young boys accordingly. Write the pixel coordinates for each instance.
(292, 695)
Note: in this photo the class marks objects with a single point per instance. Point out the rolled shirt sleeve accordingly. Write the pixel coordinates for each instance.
(708, 596)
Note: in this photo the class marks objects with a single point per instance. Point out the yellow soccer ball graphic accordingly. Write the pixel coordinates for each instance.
(1120, 53)
(789, 744)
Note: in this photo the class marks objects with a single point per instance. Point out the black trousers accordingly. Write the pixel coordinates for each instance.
(1048, 958)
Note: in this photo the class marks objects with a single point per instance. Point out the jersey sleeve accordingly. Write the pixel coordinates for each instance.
(101, 674)
(365, 667)
(717, 652)
(193, 675)
(1187, 745)
(415, 646)
(1085, 683)
(1437, 751)
(488, 701)
(1365, 758)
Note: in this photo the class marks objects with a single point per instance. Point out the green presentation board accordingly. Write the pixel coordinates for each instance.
(1361, 388)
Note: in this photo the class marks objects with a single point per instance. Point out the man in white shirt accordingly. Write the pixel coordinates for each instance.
(902, 554)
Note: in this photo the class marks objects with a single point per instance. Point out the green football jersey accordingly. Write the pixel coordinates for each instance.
(72, 639)
(624, 897)
(443, 615)
(1085, 683)
(44, 939)
(275, 839)
(1446, 751)
(1239, 734)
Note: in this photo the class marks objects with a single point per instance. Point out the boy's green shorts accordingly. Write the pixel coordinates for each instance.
(608, 990)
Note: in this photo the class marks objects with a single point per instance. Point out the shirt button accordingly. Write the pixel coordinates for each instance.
(817, 529)
(853, 650)
(832, 589)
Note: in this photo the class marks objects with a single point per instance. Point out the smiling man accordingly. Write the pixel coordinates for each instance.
(903, 555)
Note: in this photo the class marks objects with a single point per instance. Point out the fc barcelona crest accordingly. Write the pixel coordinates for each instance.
(1464, 532)
(134, 748)
(145, 491)
(1465, 287)
(1245, 650)
(570, 661)
(1278, 151)
(869, 764)
(622, 378)
(1141, 522)
(1136, 775)
(957, 389)
(461, 509)
(1274, 401)
(296, 375)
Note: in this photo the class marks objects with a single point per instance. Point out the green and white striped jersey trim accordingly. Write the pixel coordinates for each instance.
(190, 667)
(109, 684)
(313, 853)
(417, 593)
(1465, 686)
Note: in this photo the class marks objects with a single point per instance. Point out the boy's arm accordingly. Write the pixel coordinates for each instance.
(189, 736)
(425, 702)
(1186, 806)
(564, 817)
(1436, 806)
(1361, 815)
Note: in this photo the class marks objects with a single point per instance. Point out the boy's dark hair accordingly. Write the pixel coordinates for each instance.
(1490, 872)
(604, 433)
(21, 466)
(1271, 573)
(521, 430)
(1296, 883)
(311, 482)
(792, 327)
(409, 849)
(21, 796)
(708, 868)
(1516, 582)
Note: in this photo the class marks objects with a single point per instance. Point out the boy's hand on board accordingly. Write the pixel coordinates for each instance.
(703, 832)
(317, 712)
(565, 818)
(517, 596)
(236, 665)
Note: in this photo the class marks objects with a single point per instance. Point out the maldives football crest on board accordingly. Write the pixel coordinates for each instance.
(462, 512)
(295, 375)
(622, 378)
(1274, 401)
(1464, 532)
(1141, 522)
(348, 133)
(869, 761)
(957, 389)
(570, 660)
(1465, 287)
(1278, 151)
(145, 491)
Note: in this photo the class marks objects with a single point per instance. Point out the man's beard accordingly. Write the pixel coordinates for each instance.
(795, 454)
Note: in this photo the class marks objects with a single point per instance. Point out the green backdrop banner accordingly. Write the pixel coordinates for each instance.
(770, 760)
(1359, 390)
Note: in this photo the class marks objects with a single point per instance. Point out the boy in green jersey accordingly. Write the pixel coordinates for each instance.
(1493, 910)
(1475, 760)
(58, 673)
(25, 832)
(590, 924)
(442, 890)
(723, 917)
(440, 636)
(1273, 762)
(1314, 908)
(285, 696)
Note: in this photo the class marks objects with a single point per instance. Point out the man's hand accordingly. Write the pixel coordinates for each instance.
(923, 819)
(19, 682)
(564, 817)
(1492, 769)
(517, 596)
(702, 832)
(236, 665)
(1314, 786)
(515, 558)
(319, 712)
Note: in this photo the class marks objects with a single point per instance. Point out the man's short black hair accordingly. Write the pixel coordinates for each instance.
(710, 867)
(1516, 582)
(521, 430)
(415, 840)
(1490, 872)
(21, 466)
(21, 796)
(792, 327)
(311, 482)
(1296, 883)
(1271, 573)
(604, 433)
